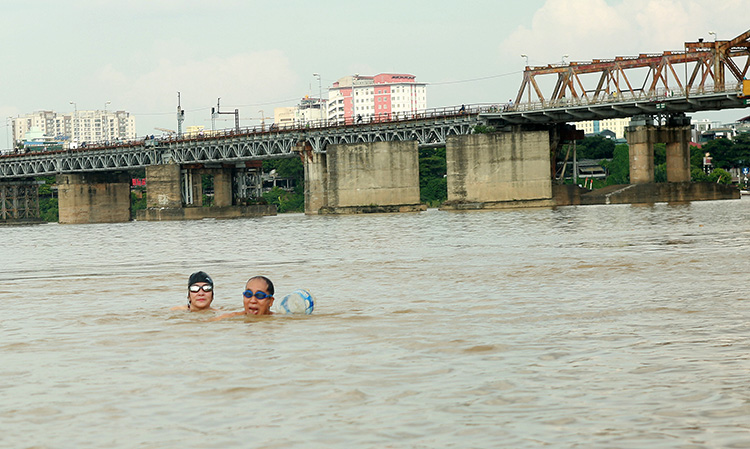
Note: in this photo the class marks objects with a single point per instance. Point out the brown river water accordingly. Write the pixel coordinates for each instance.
(598, 326)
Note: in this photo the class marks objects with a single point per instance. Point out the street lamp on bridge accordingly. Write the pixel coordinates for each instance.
(73, 135)
(320, 97)
(105, 123)
(527, 59)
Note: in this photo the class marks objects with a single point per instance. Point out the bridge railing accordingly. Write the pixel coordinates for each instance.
(657, 95)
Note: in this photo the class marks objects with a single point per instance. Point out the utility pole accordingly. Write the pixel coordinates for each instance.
(324, 115)
(105, 123)
(180, 116)
(236, 115)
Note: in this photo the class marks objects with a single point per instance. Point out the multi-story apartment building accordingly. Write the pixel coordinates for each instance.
(373, 97)
(77, 127)
(308, 110)
(616, 125)
(48, 122)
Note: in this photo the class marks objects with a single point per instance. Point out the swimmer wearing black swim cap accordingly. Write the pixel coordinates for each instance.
(200, 292)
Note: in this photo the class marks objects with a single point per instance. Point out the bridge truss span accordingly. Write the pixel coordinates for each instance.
(702, 66)
(430, 132)
(234, 149)
(79, 160)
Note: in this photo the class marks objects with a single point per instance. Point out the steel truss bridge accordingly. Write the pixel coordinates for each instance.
(704, 76)
(429, 129)
(713, 79)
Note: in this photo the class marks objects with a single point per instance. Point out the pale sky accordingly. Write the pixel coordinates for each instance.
(138, 54)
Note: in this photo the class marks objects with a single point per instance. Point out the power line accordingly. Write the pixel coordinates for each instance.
(228, 106)
(477, 79)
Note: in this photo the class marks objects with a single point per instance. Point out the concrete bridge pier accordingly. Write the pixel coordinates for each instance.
(176, 193)
(678, 153)
(641, 153)
(499, 170)
(316, 179)
(642, 134)
(163, 184)
(192, 185)
(93, 197)
(368, 177)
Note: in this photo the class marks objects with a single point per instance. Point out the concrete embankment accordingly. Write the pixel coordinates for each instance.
(198, 213)
(668, 192)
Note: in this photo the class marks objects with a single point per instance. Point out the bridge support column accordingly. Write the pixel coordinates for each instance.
(363, 178)
(499, 170)
(642, 135)
(641, 153)
(163, 186)
(19, 202)
(316, 179)
(223, 187)
(193, 180)
(94, 197)
(168, 185)
(678, 153)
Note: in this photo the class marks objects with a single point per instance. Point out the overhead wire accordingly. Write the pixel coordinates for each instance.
(476, 79)
(440, 83)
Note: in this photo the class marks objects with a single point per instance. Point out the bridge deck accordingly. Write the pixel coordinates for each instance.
(428, 128)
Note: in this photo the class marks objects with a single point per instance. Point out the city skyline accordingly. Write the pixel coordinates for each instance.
(257, 56)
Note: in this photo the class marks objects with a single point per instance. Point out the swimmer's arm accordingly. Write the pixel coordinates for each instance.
(179, 308)
(226, 315)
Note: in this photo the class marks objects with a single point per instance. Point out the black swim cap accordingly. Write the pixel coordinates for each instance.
(200, 276)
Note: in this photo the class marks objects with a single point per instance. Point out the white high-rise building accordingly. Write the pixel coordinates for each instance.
(383, 96)
(77, 127)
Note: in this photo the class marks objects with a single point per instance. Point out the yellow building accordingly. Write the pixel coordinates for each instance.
(616, 125)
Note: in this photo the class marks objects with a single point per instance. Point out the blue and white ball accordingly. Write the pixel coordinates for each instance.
(300, 301)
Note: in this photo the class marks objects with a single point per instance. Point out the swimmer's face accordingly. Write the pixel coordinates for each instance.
(253, 305)
(200, 300)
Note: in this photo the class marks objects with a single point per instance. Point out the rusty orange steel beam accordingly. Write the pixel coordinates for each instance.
(713, 61)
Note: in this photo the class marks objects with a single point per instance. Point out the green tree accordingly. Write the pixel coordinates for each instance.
(698, 175)
(286, 168)
(484, 129)
(435, 192)
(696, 158)
(433, 188)
(660, 154)
(660, 173)
(285, 201)
(48, 209)
(136, 203)
(619, 166)
(742, 150)
(721, 176)
(722, 152)
(595, 147)
(48, 204)
(660, 162)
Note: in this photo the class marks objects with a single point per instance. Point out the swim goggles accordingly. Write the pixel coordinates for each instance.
(196, 288)
(259, 294)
